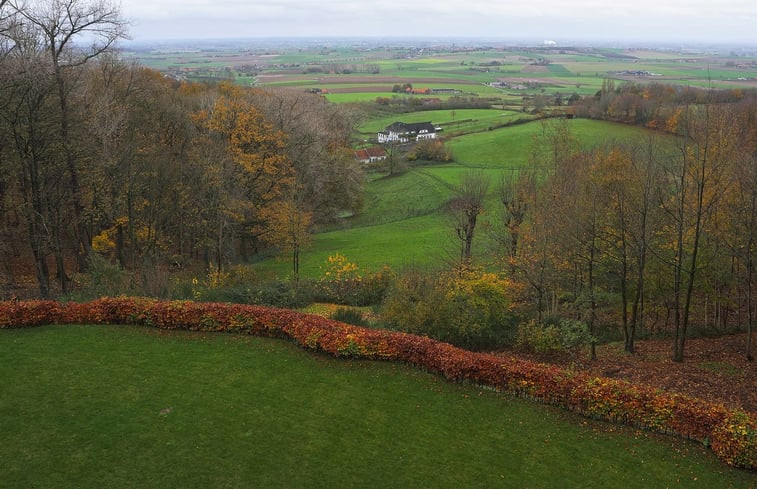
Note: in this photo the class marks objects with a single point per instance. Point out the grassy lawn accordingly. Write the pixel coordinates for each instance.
(107, 406)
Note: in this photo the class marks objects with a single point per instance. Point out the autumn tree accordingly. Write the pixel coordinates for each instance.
(29, 156)
(737, 225)
(289, 228)
(625, 176)
(143, 210)
(255, 173)
(693, 185)
(535, 262)
(317, 141)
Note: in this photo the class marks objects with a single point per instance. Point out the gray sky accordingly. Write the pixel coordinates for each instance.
(701, 21)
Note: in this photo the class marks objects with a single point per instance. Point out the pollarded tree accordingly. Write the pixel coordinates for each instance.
(466, 206)
(513, 195)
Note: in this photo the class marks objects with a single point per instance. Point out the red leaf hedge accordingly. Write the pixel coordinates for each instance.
(732, 434)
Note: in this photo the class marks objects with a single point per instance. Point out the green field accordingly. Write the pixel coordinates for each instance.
(122, 407)
(510, 148)
(404, 220)
(565, 70)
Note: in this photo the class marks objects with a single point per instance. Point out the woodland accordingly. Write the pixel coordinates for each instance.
(109, 166)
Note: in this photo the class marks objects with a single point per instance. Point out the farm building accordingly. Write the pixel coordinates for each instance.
(369, 155)
(402, 133)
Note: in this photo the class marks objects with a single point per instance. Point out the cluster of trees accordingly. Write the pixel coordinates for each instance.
(650, 104)
(100, 156)
(660, 230)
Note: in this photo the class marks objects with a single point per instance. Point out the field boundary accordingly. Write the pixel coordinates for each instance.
(730, 433)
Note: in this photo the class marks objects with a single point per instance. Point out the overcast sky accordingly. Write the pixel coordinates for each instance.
(703, 21)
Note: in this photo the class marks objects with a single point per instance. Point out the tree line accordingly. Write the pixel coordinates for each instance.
(98, 156)
(659, 230)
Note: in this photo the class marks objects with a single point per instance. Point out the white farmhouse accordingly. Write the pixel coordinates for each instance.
(401, 132)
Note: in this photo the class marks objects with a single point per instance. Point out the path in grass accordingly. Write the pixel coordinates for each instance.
(108, 406)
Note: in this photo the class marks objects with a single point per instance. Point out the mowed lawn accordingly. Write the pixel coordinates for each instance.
(110, 406)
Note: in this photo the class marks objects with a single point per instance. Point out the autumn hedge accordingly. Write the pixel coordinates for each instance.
(731, 433)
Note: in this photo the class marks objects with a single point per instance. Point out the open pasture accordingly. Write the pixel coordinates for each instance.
(511, 147)
(405, 221)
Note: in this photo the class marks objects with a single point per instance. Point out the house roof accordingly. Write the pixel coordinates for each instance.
(375, 151)
(416, 127)
(368, 153)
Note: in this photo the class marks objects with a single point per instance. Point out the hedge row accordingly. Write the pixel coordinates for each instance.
(731, 433)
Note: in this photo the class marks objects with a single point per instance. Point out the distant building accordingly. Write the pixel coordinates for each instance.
(446, 90)
(401, 132)
(370, 155)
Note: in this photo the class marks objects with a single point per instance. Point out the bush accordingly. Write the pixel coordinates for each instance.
(350, 316)
(240, 285)
(430, 150)
(342, 282)
(468, 308)
(275, 293)
(563, 335)
(103, 279)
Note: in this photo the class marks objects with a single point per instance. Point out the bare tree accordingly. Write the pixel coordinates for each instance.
(514, 198)
(58, 25)
(467, 206)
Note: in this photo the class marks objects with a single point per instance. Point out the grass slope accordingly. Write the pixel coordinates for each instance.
(510, 147)
(86, 406)
(404, 219)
